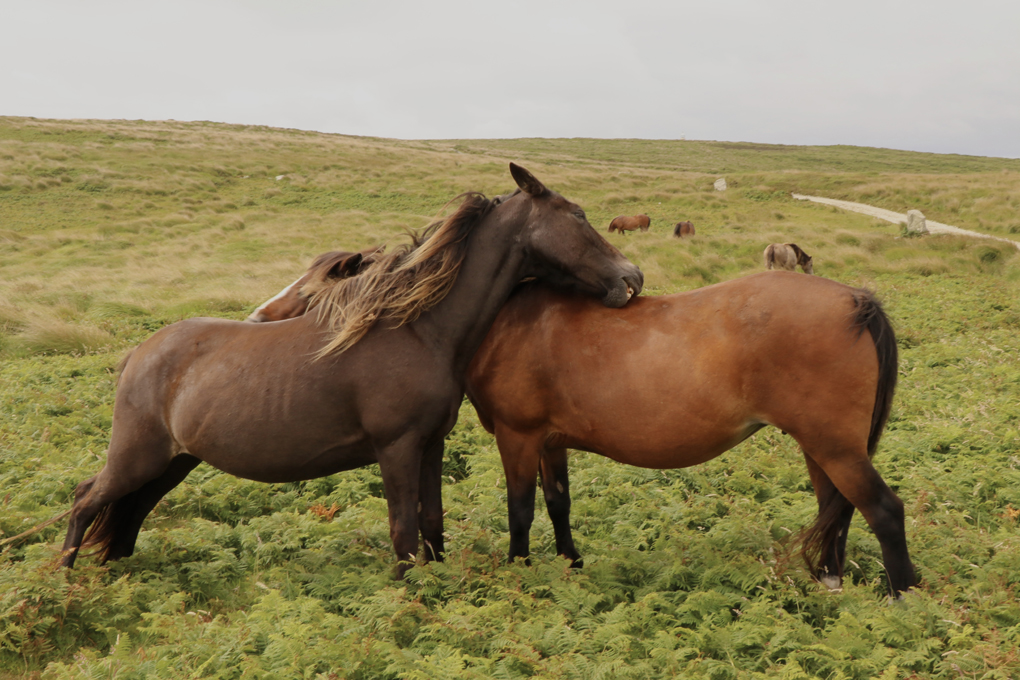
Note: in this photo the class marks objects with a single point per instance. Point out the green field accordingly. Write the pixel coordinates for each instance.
(110, 230)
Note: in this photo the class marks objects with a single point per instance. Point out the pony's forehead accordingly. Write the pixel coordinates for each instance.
(557, 198)
(504, 197)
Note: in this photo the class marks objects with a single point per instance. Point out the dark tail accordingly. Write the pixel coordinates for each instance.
(868, 314)
(111, 522)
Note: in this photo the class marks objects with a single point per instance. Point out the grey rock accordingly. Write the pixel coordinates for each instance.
(916, 222)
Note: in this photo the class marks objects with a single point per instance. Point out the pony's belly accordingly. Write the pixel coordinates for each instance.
(678, 449)
(271, 449)
(283, 465)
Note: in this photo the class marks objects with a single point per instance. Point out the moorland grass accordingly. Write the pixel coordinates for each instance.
(109, 230)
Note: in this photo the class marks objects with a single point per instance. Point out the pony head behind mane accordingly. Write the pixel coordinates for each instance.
(400, 285)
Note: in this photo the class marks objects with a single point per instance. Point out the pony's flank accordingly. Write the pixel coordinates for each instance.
(403, 284)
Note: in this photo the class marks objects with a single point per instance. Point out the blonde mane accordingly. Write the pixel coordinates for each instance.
(399, 286)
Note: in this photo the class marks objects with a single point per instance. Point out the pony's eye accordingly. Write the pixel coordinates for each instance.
(579, 214)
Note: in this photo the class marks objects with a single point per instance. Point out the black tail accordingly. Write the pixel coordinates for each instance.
(868, 315)
(110, 523)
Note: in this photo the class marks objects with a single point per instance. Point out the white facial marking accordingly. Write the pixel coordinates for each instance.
(254, 315)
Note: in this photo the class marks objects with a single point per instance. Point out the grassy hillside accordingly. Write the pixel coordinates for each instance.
(111, 229)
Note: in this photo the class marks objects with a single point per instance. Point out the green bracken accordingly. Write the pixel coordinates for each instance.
(109, 230)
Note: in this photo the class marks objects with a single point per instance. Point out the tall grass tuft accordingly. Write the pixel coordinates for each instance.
(44, 335)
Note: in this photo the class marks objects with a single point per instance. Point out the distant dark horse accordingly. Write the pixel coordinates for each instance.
(787, 256)
(683, 229)
(293, 300)
(625, 223)
(376, 376)
(673, 381)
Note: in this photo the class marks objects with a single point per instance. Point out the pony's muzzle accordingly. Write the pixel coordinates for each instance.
(624, 289)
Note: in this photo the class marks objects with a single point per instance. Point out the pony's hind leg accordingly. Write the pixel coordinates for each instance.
(825, 543)
(556, 488)
(858, 481)
(136, 506)
(83, 513)
(131, 462)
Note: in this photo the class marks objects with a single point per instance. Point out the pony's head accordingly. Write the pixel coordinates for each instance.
(562, 248)
(327, 268)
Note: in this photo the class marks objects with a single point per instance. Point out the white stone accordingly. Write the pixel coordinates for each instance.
(720, 184)
(916, 222)
(279, 177)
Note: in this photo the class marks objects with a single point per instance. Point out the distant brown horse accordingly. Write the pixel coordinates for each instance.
(673, 381)
(293, 300)
(625, 223)
(787, 256)
(375, 376)
(683, 229)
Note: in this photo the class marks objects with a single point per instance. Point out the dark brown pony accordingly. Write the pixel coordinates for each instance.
(625, 223)
(787, 256)
(376, 376)
(293, 300)
(683, 229)
(673, 381)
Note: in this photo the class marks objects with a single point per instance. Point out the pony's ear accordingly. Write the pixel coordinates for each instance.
(349, 266)
(528, 183)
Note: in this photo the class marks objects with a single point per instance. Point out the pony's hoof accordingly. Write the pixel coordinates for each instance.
(833, 583)
(577, 563)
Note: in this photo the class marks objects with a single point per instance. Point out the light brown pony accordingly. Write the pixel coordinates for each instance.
(787, 256)
(293, 300)
(377, 376)
(683, 229)
(673, 381)
(625, 223)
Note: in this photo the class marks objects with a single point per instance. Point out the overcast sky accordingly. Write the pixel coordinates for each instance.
(938, 75)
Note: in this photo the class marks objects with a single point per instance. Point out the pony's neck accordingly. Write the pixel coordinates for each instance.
(492, 266)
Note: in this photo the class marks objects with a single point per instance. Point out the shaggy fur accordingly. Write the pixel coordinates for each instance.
(399, 286)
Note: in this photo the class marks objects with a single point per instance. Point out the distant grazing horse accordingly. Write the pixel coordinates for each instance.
(293, 300)
(673, 381)
(787, 256)
(625, 223)
(376, 376)
(683, 229)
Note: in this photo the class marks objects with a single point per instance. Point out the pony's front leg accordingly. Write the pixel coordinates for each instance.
(430, 510)
(556, 487)
(520, 456)
(400, 465)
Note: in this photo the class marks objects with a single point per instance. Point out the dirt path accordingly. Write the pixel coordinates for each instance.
(896, 218)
